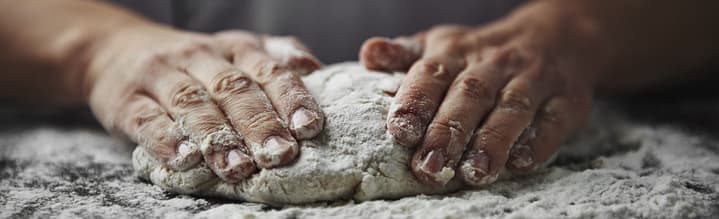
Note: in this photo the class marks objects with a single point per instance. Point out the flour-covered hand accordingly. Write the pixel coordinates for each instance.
(476, 100)
(232, 99)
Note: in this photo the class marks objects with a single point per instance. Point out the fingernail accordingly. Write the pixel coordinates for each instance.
(475, 169)
(239, 166)
(433, 166)
(521, 156)
(405, 130)
(276, 150)
(186, 147)
(302, 117)
(305, 123)
(188, 155)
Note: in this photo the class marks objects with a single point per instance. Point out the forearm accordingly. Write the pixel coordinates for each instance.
(47, 46)
(656, 42)
(636, 44)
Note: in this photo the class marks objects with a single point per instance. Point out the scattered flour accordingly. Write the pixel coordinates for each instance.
(613, 169)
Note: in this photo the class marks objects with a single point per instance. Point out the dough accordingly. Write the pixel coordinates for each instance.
(353, 158)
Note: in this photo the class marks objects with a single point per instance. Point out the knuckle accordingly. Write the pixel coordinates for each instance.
(268, 69)
(488, 136)
(447, 124)
(190, 48)
(143, 116)
(188, 96)
(154, 64)
(475, 89)
(261, 120)
(228, 83)
(515, 100)
(510, 57)
(452, 45)
(434, 68)
(293, 96)
(454, 133)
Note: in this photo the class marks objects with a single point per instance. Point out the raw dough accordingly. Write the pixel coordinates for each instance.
(353, 158)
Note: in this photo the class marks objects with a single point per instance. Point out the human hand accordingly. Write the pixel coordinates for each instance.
(234, 99)
(515, 82)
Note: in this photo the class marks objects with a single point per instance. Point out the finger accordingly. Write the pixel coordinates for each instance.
(146, 123)
(248, 109)
(190, 105)
(470, 97)
(514, 111)
(383, 54)
(424, 86)
(554, 123)
(419, 96)
(292, 54)
(285, 89)
(188, 181)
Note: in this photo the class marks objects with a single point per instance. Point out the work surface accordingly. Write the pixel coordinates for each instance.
(54, 164)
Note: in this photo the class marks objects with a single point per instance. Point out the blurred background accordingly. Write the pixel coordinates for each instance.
(333, 30)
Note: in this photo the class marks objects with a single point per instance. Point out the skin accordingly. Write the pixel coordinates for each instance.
(233, 99)
(479, 100)
(476, 100)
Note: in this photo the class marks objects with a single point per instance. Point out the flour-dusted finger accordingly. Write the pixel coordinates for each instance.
(419, 96)
(470, 97)
(513, 113)
(248, 109)
(187, 101)
(425, 85)
(398, 54)
(148, 124)
(285, 89)
(292, 54)
(555, 121)
(188, 181)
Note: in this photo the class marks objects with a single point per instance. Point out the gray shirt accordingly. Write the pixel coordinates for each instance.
(333, 29)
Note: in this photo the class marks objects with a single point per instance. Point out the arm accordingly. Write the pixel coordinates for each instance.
(47, 47)
(643, 43)
(187, 97)
(478, 99)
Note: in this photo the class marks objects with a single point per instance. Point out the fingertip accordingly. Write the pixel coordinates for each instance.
(304, 65)
(231, 166)
(305, 123)
(475, 169)
(276, 151)
(431, 169)
(239, 166)
(291, 53)
(187, 156)
(227, 156)
(405, 130)
(383, 54)
(367, 52)
(521, 159)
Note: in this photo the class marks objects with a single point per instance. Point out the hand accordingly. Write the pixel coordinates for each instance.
(233, 99)
(476, 100)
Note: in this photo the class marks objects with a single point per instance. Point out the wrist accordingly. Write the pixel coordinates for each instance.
(107, 48)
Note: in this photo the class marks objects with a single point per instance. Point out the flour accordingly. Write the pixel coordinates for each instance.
(615, 168)
(352, 158)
